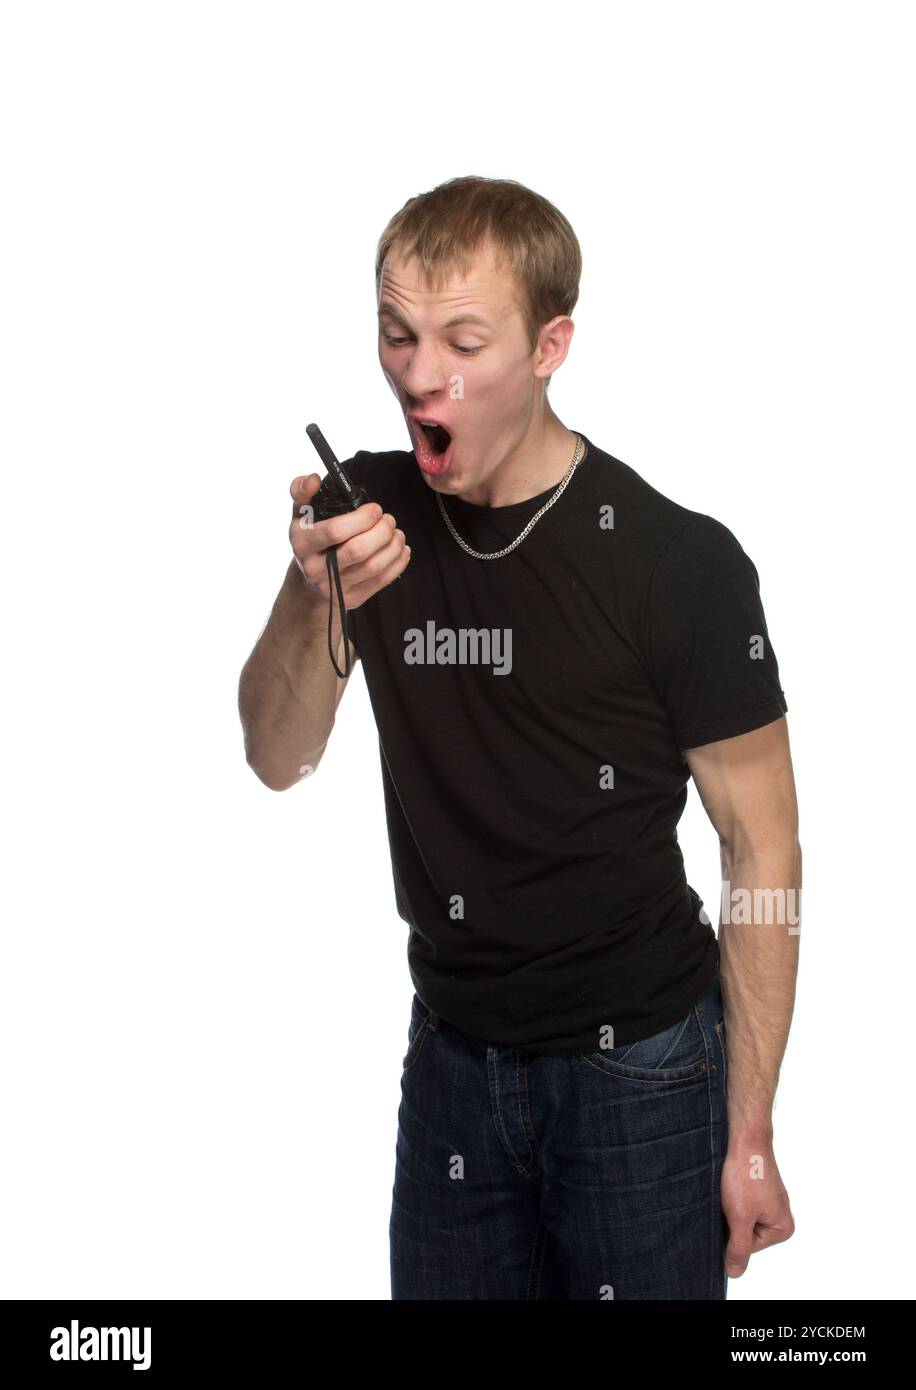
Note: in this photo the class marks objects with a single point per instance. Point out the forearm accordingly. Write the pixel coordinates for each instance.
(758, 942)
(288, 689)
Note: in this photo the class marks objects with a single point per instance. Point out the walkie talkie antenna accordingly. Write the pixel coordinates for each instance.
(336, 469)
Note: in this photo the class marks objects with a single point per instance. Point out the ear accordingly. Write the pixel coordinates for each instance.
(553, 345)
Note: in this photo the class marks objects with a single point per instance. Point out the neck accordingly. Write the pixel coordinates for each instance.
(538, 461)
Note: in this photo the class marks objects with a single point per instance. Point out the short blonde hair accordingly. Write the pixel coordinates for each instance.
(447, 226)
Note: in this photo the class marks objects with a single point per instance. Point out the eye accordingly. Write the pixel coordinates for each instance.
(465, 351)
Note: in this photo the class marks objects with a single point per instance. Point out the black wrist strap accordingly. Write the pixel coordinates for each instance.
(328, 502)
(334, 580)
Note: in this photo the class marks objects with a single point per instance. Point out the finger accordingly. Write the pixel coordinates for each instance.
(378, 547)
(367, 543)
(360, 592)
(380, 559)
(338, 529)
(766, 1234)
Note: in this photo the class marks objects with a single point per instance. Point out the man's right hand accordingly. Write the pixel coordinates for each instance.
(372, 551)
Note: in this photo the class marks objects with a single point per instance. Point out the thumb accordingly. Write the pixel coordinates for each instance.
(304, 489)
(737, 1254)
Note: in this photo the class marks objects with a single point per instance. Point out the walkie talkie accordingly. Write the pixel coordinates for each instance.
(335, 496)
(337, 493)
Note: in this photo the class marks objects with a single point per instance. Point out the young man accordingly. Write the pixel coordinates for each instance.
(552, 649)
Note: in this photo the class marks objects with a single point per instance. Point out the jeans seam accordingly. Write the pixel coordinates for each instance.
(536, 1265)
(660, 1064)
(702, 1069)
(715, 1201)
(496, 1109)
(524, 1111)
(413, 1050)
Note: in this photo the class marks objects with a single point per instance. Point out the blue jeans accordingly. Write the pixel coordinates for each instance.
(595, 1176)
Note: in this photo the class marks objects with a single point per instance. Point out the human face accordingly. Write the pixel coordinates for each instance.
(459, 356)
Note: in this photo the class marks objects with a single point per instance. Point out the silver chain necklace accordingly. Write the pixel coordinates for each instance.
(497, 554)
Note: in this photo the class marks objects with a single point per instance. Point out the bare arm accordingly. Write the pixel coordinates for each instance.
(747, 786)
(288, 690)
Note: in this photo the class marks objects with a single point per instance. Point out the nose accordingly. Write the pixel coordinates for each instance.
(423, 375)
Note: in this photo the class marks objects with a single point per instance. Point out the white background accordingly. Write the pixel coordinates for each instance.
(204, 984)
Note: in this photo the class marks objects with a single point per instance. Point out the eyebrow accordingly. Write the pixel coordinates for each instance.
(392, 312)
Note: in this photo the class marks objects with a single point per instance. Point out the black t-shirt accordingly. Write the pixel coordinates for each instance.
(531, 713)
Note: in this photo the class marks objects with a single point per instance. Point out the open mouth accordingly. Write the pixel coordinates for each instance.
(433, 447)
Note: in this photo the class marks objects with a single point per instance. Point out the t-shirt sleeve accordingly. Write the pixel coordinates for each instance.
(710, 653)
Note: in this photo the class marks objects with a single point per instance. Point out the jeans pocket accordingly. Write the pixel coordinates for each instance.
(723, 1047)
(421, 1020)
(678, 1053)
